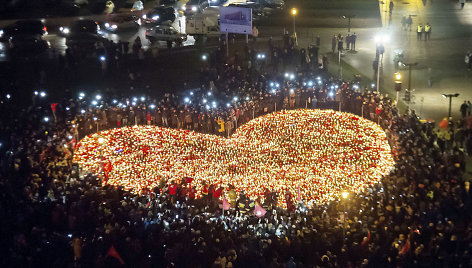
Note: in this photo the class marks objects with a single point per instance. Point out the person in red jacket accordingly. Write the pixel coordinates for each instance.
(172, 191)
(205, 190)
(191, 193)
(217, 193)
(288, 199)
(183, 192)
(211, 190)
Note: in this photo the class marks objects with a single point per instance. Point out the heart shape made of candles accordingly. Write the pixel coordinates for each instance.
(314, 154)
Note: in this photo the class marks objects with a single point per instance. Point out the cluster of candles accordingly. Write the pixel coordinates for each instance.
(314, 154)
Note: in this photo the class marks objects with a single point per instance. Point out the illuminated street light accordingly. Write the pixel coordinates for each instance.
(380, 39)
(398, 76)
(294, 14)
(450, 96)
(348, 17)
(398, 84)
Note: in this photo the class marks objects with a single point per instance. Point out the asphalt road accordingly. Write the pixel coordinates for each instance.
(440, 60)
(59, 42)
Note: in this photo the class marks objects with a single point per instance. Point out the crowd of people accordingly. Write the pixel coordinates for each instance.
(54, 214)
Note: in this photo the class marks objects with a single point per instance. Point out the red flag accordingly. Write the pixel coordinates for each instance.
(113, 253)
(53, 106)
(259, 211)
(406, 248)
(108, 167)
(443, 124)
(188, 180)
(366, 241)
(226, 205)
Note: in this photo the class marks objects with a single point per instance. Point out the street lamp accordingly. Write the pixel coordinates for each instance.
(450, 96)
(398, 84)
(380, 40)
(294, 14)
(398, 76)
(345, 195)
(348, 17)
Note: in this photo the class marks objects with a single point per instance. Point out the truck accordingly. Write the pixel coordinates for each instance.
(204, 25)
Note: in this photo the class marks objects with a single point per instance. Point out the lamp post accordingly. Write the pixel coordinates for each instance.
(398, 84)
(348, 17)
(345, 195)
(409, 72)
(379, 39)
(450, 96)
(294, 12)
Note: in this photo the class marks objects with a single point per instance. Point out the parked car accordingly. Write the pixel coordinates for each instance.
(170, 3)
(122, 23)
(165, 33)
(131, 6)
(258, 10)
(273, 4)
(23, 27)
(84, 40)
(80, 26)
(27, 44)
(159, 15)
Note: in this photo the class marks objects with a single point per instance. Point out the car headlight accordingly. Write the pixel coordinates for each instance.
(114, 26)
(1, 33)
(194, 8)
(64, 30)
(144, 17)
(155, 17)
(107, 25)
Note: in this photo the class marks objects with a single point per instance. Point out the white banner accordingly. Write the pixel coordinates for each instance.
(236, 20)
